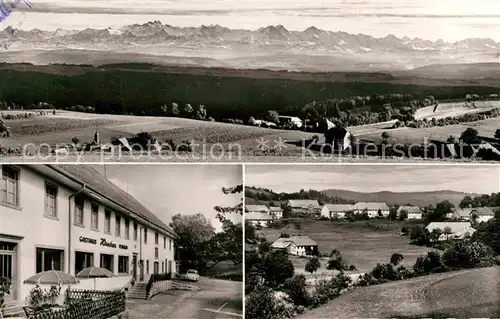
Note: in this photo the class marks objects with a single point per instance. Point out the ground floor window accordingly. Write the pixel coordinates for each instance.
(162, 267)
(147, 266)
(83, 260)
(123, 264)
(107, 262)
(49, 259)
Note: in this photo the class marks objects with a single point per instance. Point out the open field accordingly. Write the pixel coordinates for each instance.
(363, 244)
(463, 294)
(419, 135)
(61, 128)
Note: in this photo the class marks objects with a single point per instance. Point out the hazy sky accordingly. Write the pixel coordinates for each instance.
(429, 19)
(167, 190)
(374, 178)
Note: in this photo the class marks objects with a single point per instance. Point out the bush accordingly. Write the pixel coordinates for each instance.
(384, 272)
(367, 280)
(313, 265)
(261, 304)
(428, 264)
(466, 254)
(295, 287)
(329, 289)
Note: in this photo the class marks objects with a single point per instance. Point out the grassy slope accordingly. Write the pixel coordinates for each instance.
(363, 244)
(464, 294)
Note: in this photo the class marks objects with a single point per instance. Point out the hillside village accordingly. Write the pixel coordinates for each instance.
(458, 223)
(312, 257)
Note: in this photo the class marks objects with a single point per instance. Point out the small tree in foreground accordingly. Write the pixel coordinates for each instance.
(396, 259)
(313, 265)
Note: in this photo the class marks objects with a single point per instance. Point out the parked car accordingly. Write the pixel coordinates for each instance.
(192, 275)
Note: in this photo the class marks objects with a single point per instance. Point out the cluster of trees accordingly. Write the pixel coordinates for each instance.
(118, 91)
(263, 194)
(457, 255)
(269, 271)
(200, 247)
(467, 118)
(492, 200)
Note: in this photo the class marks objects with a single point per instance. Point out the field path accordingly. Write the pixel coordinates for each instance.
(462, 294)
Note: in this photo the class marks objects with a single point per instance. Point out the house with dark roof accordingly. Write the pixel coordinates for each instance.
(69, 217)
(413, 212)
(373, 209)
(305, 206)
(336, 210)
(297, 245)
(481, 214)
(257, 209)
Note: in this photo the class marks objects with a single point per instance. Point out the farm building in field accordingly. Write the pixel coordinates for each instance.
(256, 209)
(338, 137)
(258, 219)
(414, 212)
(287, 245)
(373, 209)
(482, 214)
(336, 210)
(297, 245)
(458, 230)
(276, 212)
(305, 206)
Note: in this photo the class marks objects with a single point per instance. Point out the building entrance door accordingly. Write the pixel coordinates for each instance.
(134, 266)
(156, 268)
(8, 267)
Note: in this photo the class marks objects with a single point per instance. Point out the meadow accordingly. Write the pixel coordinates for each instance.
(361, 243)
(461, 294)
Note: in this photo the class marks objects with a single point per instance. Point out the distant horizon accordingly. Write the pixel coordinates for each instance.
(450, 20)
(383, 191)
(371, 178)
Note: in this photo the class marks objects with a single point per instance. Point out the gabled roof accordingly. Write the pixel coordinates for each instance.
(297, 240)
(256, 208)
(371, 206)
(339, 207)
(280, 244)
(304, 203)
(97, 182)
(258, 216)
(456, 227)
(410, 209)
(480, 211)
(275, 209)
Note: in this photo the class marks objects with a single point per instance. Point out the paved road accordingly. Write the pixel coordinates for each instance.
(216, 299)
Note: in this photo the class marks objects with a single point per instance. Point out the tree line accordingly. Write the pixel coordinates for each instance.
(145, 93)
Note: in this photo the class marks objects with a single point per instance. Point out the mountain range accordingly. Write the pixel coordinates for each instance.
(272, 47)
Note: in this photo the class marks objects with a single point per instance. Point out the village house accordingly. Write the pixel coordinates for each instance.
(413, 212)
(297, 245)
(259, 219)
(483, 214)
(458, 230)
(69, 217)
(276, 212)
(373, 209)
(305, 206)
(336, 210)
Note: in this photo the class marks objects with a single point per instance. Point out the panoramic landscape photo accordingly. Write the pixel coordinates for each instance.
(250, 80)
(365, 241)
